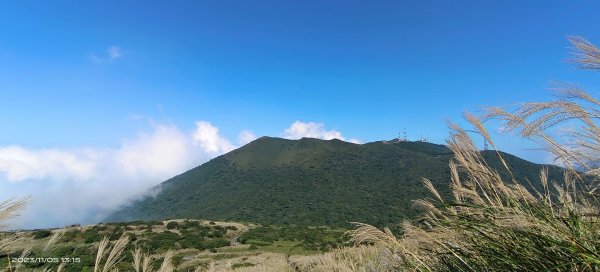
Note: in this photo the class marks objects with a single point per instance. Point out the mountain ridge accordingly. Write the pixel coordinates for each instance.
(310, 182)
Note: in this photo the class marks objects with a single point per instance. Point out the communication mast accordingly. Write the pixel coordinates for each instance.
(485, 143)
(404, 138)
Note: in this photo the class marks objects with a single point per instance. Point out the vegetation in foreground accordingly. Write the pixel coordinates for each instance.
(188, 244)
(496, 224)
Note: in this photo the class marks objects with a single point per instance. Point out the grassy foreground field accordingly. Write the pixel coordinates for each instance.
(191, 244)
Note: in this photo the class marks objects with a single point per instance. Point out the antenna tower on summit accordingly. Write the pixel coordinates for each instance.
(404, 138)
(485, 142)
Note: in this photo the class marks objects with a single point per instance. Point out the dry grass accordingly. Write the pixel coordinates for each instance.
(114, 254)
(267, 262)
(141, 261)
(9, 209)
(55, 237)
(587, 56)
(492, 224)
(361, 258)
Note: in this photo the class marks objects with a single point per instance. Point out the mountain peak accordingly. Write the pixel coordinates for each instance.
(309, 182)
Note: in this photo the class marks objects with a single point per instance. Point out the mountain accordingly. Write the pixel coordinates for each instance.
(310, 182)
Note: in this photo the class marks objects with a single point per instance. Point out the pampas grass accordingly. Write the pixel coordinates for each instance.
(11, 208)
(141, 262)
(57, 235)
(361, 258)
(113, 254)
(496, 224)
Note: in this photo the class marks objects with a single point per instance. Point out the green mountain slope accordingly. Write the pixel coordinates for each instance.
(308, 182)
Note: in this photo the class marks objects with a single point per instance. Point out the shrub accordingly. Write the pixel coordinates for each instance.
(163, 241)
(172, 225)
(115, 235)
(216, 243)
(190, 224)
(193, 240)
(39, 234)
(234, 228)
(241, 265)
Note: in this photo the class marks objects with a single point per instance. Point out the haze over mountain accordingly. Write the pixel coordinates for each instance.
(310, 182)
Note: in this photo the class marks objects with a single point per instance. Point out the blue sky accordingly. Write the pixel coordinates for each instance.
(84, 80)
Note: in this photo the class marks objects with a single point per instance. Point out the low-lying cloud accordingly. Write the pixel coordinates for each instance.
(300, 129)
(246, 136)
(208, 138)
(83, 185)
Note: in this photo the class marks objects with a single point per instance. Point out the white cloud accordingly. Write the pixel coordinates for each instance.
(19, 164)
(245, 137)
(354, 141)
(207, 136)
(85, 184)
(112, 54)
(157, 154)
(301, 129)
